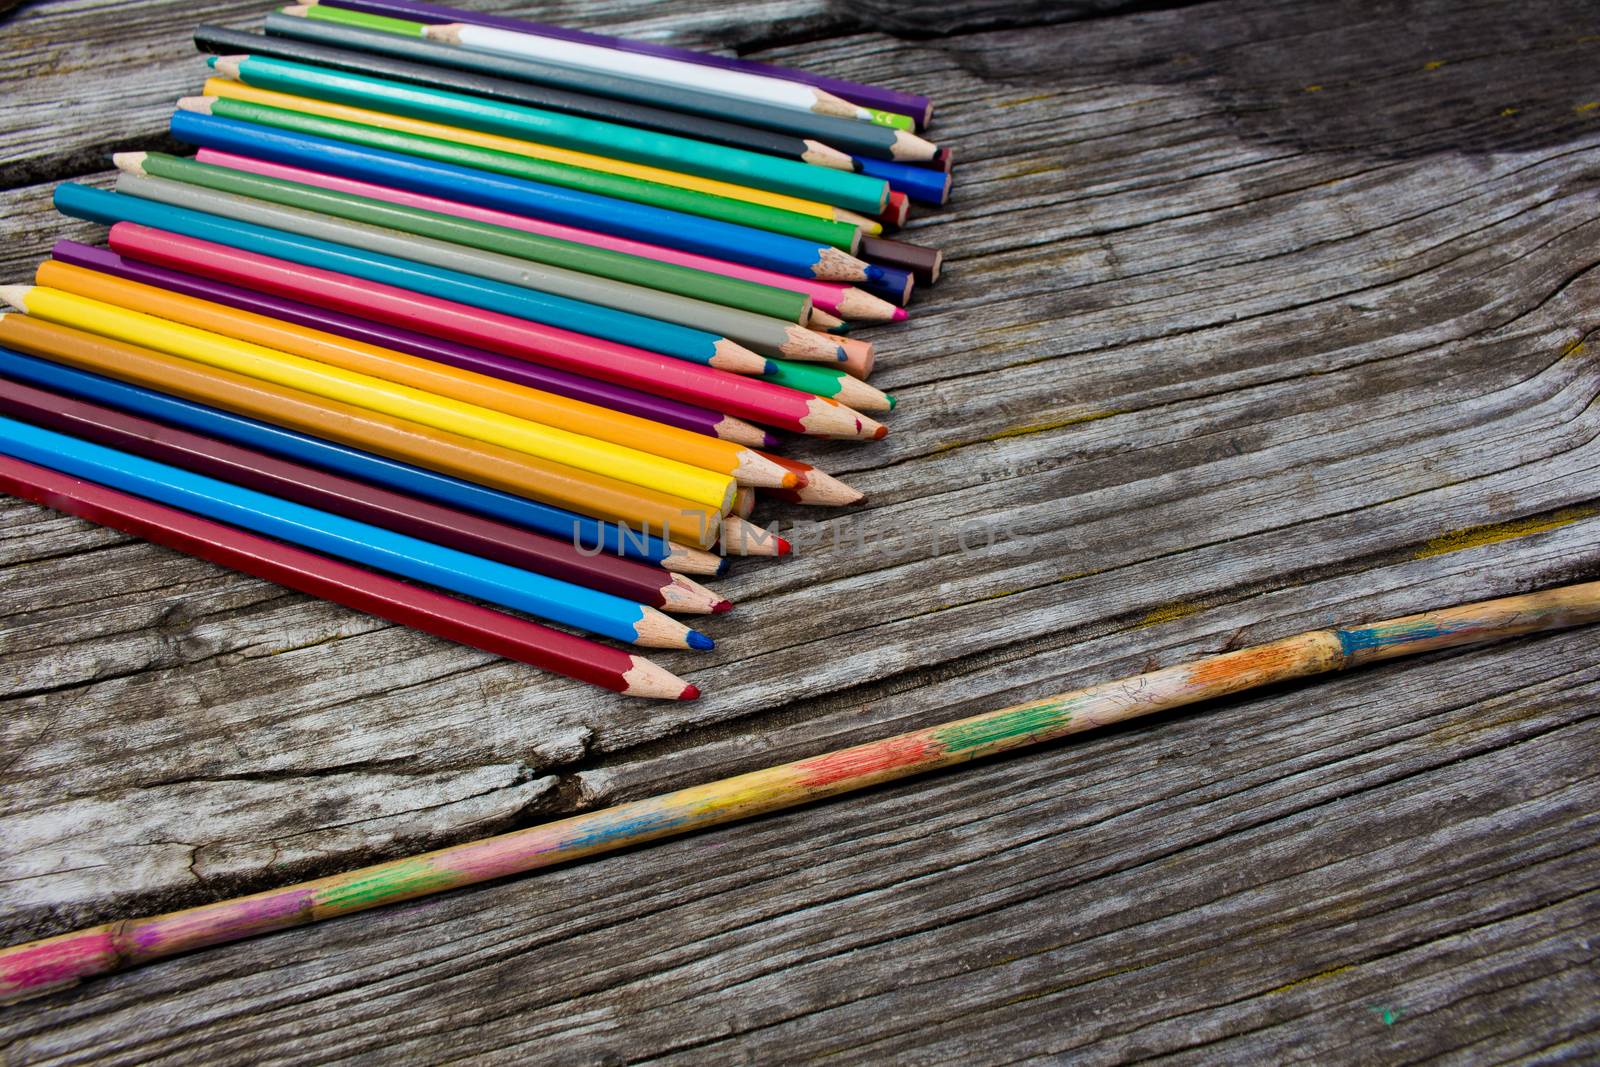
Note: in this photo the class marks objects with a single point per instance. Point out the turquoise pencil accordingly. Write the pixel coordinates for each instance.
(347, 539)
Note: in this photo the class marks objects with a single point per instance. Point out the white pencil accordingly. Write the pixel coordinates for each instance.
(733, 84)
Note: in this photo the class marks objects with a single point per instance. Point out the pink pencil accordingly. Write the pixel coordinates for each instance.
(844, 301)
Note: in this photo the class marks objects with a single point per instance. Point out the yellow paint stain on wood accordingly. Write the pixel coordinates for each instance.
(1320, 976)
(1031, 429)
(1506, 113)
(1020, 100)
(1572, 348)
(1433, 64)
(1586, 108)
(1448, 735)
(1167, 613)
(1313, 89)
(1495, 532)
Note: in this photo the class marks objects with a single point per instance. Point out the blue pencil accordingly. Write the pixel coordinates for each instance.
(347, 539)
(930, 185)
(589, 534)
(572, 207)
(665, 338)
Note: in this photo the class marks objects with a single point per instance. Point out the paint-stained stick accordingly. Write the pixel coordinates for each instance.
(40, 966)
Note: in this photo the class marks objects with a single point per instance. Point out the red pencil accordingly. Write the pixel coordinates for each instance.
(692, 383)
(354, 499)
(376, 594)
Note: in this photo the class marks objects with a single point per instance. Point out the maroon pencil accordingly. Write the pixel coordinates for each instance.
(376, 594)
(921, 261)
(356, 500)
(550, 379)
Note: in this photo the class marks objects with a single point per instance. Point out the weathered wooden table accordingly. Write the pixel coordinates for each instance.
(1259, 316)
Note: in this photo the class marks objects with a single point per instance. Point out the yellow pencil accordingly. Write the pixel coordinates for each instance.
(232, 90)
(321, 379)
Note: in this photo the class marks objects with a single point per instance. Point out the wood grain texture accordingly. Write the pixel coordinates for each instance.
(1258, 317)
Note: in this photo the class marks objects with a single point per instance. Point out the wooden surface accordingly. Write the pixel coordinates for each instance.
(1259, 316)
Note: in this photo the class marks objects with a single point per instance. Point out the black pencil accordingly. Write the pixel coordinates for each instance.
(411, 61)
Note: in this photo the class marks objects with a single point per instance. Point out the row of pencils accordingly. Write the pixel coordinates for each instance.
(468, 322)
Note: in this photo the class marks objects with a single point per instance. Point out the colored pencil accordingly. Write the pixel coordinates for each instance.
(735, 394)
(859, 358)
(894, 215)
(844, 301)
(744, 465)
(356, 542)
(857, 138)
(574, 386)
(829, 382)
(875, 96)
(735, 86)
(587, 454)
(816, 486)
(892, 283)
(841, 188)
(929, 185)
(680, 343)
(763, 300)
(353, 587)
(475, 461)
(924, 263)
(567, 527)
(136, 202)
(38, 967)
(742, 244)
(789, 214)
(327, 216)
(741, 537)
(637, 582)
(445, 144)
(335, 53)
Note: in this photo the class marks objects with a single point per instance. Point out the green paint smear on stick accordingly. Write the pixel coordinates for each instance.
(390, 883)
(1004, 726)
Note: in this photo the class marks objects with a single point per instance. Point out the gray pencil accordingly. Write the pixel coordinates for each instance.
(768, 336)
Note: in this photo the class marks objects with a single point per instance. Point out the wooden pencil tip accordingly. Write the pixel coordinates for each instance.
(721, 606)
(784, 547)
(200, 104)
(129, 162)
(449, 33)
(900, 315)
(910, 146)
(821, 155)
(16, 296)
(228, 65)
(297, 10)
(645, 679)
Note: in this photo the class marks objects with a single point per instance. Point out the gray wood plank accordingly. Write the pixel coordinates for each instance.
(1219, 359)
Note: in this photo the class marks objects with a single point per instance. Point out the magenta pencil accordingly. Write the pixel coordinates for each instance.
(844, 301)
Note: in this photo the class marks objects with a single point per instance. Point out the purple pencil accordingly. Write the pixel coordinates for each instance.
(562, 383)
(919, 108)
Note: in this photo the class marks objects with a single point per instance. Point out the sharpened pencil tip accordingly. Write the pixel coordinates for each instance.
(899, 315)
(892, 400)
(698, 640)
(690, 692)
(883, 431)
(721, 606)
(784, 547)
(769, 440)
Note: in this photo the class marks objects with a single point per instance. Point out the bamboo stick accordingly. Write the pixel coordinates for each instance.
(40, 966)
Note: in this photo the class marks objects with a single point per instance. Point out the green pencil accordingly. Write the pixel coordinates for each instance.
(827, 381)
(840, 235)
